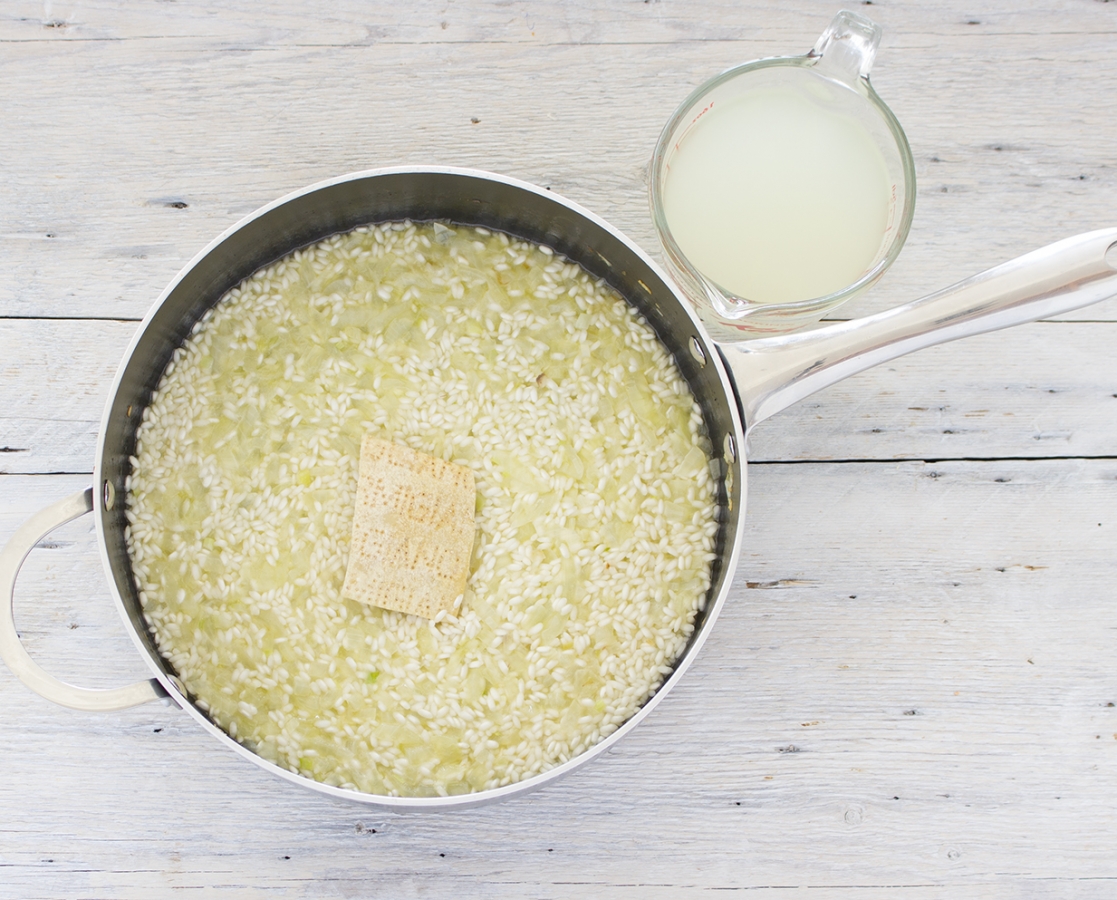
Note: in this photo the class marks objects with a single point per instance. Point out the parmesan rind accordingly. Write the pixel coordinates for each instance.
(413, 530)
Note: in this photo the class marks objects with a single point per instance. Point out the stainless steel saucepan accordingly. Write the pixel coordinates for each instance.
(736, 384)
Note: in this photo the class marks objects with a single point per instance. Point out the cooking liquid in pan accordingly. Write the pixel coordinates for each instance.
(776, 197)
(595, 510)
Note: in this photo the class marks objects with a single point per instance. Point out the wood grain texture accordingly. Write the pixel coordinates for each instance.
(123, 131)
(1040, 391)
(909, 694)
(910, 686)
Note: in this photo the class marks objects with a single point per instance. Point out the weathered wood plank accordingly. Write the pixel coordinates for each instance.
(55, 377)
(1042, 390)
(225, 126)
(1038, 390)
(936, 643)
(575, 21)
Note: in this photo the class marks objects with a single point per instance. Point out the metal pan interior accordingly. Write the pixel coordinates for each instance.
(463, 196)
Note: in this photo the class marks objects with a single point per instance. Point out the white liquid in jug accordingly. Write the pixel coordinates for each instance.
(776, 198)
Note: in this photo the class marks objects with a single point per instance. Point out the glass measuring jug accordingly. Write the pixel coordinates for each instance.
(784, 187)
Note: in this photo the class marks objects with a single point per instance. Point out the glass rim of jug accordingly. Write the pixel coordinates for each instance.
(847, 70)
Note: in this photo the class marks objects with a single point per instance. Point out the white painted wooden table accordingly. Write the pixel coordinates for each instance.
(911, 693)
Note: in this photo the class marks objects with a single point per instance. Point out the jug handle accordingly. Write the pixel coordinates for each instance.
(846, 49)
(12, 650)
(772, 373)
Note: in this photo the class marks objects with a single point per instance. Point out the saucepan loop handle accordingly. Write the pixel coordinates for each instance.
(772, 373)
(12, 650)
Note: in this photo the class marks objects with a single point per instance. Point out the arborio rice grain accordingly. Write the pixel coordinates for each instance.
(595, 509)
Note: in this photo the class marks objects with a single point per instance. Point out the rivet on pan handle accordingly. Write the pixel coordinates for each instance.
(12, 651)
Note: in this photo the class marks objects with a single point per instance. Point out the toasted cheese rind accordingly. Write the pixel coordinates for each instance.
(413, 530)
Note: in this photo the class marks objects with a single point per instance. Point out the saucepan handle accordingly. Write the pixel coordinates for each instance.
(12, 651)
(772, 373)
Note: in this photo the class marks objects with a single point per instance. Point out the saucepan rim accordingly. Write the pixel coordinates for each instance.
(729, 457)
